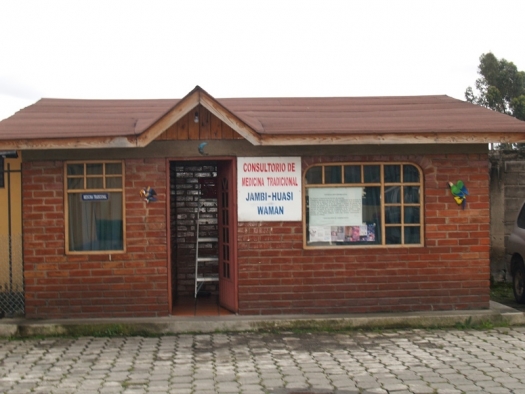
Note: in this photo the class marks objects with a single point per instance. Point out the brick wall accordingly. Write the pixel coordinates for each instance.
(277, 276)
(97, 285)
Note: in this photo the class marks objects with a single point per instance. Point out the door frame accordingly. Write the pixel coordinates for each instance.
(234, 227)
(230, 290)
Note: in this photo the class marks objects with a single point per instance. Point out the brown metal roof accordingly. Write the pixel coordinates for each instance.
(369, 114)
(63, 118)
(64, 122)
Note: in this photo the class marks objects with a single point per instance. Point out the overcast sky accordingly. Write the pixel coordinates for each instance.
(163, 49)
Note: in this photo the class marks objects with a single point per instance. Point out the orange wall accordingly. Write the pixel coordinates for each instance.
(15, 199)
(13, 248)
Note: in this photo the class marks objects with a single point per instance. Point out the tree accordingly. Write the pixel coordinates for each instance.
(501, 88)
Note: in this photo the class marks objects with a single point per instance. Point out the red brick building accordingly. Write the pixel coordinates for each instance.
(285, 205)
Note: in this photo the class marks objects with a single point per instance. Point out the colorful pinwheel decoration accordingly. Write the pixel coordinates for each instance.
(460, 193)
(148, 194)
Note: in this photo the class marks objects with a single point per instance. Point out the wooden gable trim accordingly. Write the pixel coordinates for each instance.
(177, 112)
(185, 107)
(230, 119)
(209, 127)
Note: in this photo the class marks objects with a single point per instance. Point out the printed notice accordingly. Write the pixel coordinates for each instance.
(335, 206)
(269, 189)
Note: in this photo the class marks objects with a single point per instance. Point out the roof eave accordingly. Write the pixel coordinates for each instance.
(69, 143)
(284, 140)
(394, 139)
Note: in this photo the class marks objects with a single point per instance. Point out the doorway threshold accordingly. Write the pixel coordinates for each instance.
(200, 306)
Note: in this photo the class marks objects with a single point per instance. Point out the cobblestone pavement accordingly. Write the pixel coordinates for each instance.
(407, 361)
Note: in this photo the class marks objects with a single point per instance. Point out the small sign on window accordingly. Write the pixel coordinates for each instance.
(95, 196)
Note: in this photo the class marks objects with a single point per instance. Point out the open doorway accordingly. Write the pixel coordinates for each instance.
(203, 250)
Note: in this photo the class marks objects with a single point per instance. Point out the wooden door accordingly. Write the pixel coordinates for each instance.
(227, 214)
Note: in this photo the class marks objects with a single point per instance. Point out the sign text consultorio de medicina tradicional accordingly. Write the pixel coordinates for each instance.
(269, 189)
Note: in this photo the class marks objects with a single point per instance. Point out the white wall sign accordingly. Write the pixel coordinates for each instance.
(269, 189)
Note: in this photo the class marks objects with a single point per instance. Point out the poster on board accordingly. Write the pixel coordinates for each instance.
(343, 234)
(269, 189)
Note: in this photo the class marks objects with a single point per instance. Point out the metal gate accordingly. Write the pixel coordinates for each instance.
(11, 254)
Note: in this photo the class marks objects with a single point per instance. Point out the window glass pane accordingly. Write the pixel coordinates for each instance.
(521, 218)
(352, 174)
(372, 212)
(393, 214)
(411, 215)
(412, 235)
(372, 174)
(371, 204)
(94, 183)
(393, 195)
(314, 176)
(2, 172)
(393, 173)
(75, 169)
(393, 235)
(114, 183)
(75, 183)
(332, 174)
(411, 194)
(95, 225)
(94, 169)
(113, 168)
(410, 173)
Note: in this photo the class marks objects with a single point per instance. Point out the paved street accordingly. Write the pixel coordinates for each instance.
(408, 361)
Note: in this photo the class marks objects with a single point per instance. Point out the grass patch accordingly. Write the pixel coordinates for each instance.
(340, 326)
(501, 292)
(88, 330)
(109, 330)
(480, 325)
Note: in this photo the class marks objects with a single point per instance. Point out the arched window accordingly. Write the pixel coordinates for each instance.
(354, 204)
